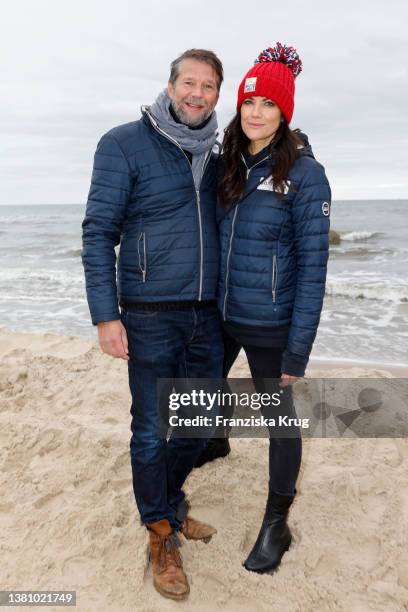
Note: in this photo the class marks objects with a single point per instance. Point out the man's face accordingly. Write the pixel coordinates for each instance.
(194, 94)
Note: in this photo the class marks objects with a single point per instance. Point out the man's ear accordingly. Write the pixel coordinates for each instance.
(170, 89)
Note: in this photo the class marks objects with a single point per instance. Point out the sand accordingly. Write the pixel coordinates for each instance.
(68, 519)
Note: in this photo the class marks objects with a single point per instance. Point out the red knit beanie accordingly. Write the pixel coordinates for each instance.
(273, 76)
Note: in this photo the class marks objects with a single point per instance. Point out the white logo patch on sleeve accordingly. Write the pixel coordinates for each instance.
(267, 185)
(326, 209)
(250, 84)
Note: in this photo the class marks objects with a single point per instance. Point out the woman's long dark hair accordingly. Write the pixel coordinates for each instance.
(283, 150)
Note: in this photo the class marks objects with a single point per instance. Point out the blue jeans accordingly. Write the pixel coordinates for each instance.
(166, 344)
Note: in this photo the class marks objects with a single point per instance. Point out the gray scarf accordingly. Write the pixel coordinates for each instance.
(197, 142)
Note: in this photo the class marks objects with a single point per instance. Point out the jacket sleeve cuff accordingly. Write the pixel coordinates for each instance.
(102, 318)
(294, 365)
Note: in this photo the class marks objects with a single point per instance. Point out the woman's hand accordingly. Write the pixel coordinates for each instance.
(287, 380)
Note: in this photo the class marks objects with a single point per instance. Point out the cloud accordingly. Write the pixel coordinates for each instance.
(73, 70)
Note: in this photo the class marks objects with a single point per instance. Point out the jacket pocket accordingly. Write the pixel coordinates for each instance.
(141, 251)
(274, 277)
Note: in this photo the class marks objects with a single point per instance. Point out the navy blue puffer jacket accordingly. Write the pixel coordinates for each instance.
(143, 196)
(274, 254)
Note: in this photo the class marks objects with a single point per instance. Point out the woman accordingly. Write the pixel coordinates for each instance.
(274, 231)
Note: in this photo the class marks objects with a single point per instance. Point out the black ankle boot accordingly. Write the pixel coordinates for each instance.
(216, 447)
(274, 537)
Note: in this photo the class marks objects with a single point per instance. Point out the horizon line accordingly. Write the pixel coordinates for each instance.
(84, 203)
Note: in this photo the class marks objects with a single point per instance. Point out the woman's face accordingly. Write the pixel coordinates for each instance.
(260, 119)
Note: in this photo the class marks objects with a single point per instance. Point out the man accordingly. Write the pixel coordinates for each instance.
(153, 191)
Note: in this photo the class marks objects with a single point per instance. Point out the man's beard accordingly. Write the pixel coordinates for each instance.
(182, 116)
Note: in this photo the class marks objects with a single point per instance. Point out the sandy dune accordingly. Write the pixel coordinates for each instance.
(68, 518)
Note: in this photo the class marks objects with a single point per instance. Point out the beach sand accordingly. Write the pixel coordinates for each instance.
(68, 518)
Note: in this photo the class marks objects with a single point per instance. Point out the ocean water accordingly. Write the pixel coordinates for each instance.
(365, 312)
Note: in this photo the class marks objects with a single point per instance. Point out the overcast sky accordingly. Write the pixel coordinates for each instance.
(72, 70)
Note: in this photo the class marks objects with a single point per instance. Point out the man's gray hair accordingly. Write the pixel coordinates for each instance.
(201, 55)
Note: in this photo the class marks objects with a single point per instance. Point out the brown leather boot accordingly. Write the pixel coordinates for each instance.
(169, 578)
(196, 530)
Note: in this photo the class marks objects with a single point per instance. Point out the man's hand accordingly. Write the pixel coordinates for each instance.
(113, 339)
(287, 379)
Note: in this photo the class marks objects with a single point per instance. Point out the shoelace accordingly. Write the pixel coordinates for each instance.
(169, 544)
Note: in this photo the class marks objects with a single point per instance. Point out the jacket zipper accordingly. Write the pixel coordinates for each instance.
(200, 289)
(274, 277)
(232, 237)
(228, 260)
(254, 166)
(207, 157)
(143, 268)
(197, 191)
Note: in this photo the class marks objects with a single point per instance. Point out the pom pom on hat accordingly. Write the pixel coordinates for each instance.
(273, 77)
(284, 54)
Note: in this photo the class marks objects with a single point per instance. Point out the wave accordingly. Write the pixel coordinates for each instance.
(370, 291)
(359, 252)
(17, 218)
(58, 277)
(67, 254)
(361, 235)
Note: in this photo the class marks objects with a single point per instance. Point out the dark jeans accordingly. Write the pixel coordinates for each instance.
(285, 454)
(166, 344)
